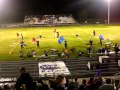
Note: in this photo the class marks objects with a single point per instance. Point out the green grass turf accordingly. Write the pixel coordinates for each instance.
(48, 41)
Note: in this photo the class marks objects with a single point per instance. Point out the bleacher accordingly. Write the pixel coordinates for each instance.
(77, 67)
(49, 20)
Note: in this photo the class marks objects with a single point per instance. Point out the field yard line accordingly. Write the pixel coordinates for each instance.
(10, 52)
(99, 34)
(78, 37)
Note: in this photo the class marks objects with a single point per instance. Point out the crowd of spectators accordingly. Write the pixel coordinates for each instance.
(49, 19)
(25, 82)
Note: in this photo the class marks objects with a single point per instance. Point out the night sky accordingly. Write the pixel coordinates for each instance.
(78, 8)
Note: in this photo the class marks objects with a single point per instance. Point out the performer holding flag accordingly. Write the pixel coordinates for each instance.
(22, 44)
(61, 39)
(33, 40)
(101, 38)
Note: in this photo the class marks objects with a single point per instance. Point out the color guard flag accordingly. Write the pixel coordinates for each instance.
(101, 37)
(60, 40)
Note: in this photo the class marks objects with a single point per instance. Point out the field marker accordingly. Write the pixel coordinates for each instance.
(78, 37)
(11, 51)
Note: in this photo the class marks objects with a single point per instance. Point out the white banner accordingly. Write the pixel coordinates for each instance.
(52, 69)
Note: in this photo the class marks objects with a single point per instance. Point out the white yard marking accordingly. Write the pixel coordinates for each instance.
(78, 37)
(14, 46)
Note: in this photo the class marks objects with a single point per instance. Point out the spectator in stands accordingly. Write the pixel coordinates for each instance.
(67, 83)
(51, 84)
(71, 86)
(83, 85)
(42, 86)
(7, 87)
(90, 85)
(76, 83)
(60, 82)
(107, 85)
(25, 80)
(116, 48)
(100, 82)
(117, 84)
(34, 85)
(1, 88)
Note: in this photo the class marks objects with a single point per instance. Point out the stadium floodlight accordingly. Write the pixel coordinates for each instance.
(2, 2)
(2, 5)
(108, 1)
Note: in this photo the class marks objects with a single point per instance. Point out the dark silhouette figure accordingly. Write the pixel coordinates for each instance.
(83, 85)
(116, 48)
(38, 44)
(25, 80)
(65, 44)
(91, 42)
(57, 34)
(100, 42)
(94, 33)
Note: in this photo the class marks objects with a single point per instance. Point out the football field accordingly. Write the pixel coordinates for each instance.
(76, 36)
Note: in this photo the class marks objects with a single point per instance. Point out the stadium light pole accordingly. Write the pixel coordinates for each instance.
(108, 11)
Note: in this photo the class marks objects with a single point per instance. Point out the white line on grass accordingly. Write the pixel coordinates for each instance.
(78, 37)
(11, 51)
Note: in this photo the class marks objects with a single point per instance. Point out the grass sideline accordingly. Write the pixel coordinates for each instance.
(10, 47)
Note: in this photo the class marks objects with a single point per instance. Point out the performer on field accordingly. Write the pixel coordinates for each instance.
(17, 34)
(38, 44)
(33, 40)
(22, 36)
(22, 44)
(65, 44)
(57, 34)
(94, 33)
